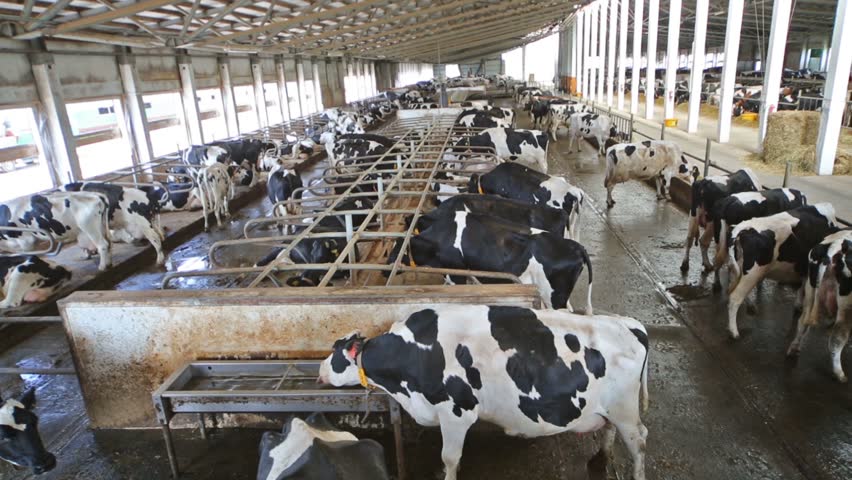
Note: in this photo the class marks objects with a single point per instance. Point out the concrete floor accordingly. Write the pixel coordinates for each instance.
(719, 409)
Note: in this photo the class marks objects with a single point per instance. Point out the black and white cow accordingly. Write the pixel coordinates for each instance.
(539, 112)
(28, 278)
(739, 207)
(482, 119)
(531, 372)
(705, 193)
(775, 247)
(199, 155)
(471, 241)
(525, 146)
(589, 125)
(133, 214)
(174, 196)
(249, 150)
(313, 449)
(513, 211)
(66, 216)
(559, 114)
(657, 159)
(509, 180)
(828, 288)
(215, 190)
(348, 148)
(20, 442)
(502, 112)
(281, 186)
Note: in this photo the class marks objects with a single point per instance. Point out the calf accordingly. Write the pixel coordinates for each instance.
(739, 207)
(657, 159)
(28, 278)
(525, 146)
(828, 286)
(775, 247)
(80, 216)
(705, 193)
(133, 214)
(312, 448)
(509, 180)
(539, 112)
(531, 372)
(589, 125)
(20, 442)
(535, 216)
(466, 241)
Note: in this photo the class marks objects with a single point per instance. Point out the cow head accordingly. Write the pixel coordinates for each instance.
(341, 367)
(20, 442)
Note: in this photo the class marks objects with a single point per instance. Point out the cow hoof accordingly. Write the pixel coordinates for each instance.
(841, 378)
(734, 335)
(684, 267)
(717, 287)
(792, 352)
(708, 268)
(610, 204)
(751, 309)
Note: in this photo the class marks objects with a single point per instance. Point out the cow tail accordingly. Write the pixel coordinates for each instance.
(610, 167)
(736, 274)
(643, 394)
(722, 245)
(588, 262)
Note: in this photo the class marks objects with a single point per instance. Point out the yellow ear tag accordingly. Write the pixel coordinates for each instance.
(417, 231)
(411, 262)
(479, 185)
(362, 376)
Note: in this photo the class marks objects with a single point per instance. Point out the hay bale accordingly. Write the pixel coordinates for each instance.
(791, 135)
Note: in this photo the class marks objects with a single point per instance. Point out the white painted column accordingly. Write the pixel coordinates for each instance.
(283, 98)
(190, 100)
(524, 62)
(593, 53)
(773, 66)
(638, 7)
(135, 108)
(300, 82)
(803, 56)
(587, 15)
(610, 53)
(601, 49)
(317, 85)
(259, 95)
(696, 74)
(373, 78)
(651, 69)
(729, 69)
(836, 84)
(672, 57)
(823, 58)
(622, 52)
(228, 101)
(575, 31)
(62, 154)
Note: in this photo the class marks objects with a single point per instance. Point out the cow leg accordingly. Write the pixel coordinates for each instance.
(739, 294)
(839, 337)
(803, 326)
(633, 434)
(596, 466)
(691, 234)
(453, 432)
(609, 200)
(704, 243)
(156, 240)
(660, 194)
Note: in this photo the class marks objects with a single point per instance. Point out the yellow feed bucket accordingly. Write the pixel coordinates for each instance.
(750, 116)
(671, 122)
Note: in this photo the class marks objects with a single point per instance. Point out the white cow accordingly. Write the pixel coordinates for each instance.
(215, 190)
(657, 159)
(589, 125)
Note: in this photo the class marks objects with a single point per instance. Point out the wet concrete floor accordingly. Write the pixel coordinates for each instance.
(719, 409)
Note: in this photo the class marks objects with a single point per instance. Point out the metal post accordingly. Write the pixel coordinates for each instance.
(202, 428)
(729, 68)
(774, 64)
(581, 52)
(284, 99)
(300, 82)
(707, 158)
(317, 85)
(788, 169)
(631, 127)
(593, 53)
(170, 449)
(396, 420)
(835, 89)
(599, 97)
(622, 53)
(227, 91)
(259, 95)
(696, 75)
(638, 6)
(651, 69)
(663, 132)
(610, 65)
(190, 100)
(672, 58)
(135, 108)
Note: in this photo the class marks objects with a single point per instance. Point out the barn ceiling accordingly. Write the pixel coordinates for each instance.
(442, 31)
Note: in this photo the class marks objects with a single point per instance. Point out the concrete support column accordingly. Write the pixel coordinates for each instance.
(672, 57)
(62, 155)
(823, 58)
(587, 55)
(135, 108)
(729, 69)
(581, 52)
(804, 55)
(259, 96)
(575, 30)
(362, 80)
(190, 100)
(836, 84)
(373, 90)
(610, 55)
(651, 69)
(300, 87)
(638, 7)
(228, 100)
(593, 53)
(524, 63)
(317, 86)
(622, 52)
(283, 98)
(773, 66)
(602, 18)
(696, 74)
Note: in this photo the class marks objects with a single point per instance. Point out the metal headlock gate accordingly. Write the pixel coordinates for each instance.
(398, 184)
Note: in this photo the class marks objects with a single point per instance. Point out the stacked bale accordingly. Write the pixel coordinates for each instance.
(792, 136)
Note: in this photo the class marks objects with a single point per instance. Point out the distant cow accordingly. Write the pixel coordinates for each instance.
(28, 278)
(531, 372)
(20, 442)
(520, 183)
(215, 190)
(828, 288)
(776, 247)
(559, 114)
(348, 148)
(313, 449)
(657, 159)
(525, 146)
(249, 150)
(134, 214)
(199, 155)
(482, 119)
(539, 112)
(66, 216)
(589, 125)
(466, 241)
(705, 193)
(281, 186)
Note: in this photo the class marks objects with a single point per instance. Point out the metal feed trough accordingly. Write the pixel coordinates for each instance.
(287, 386)
(398, 184)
